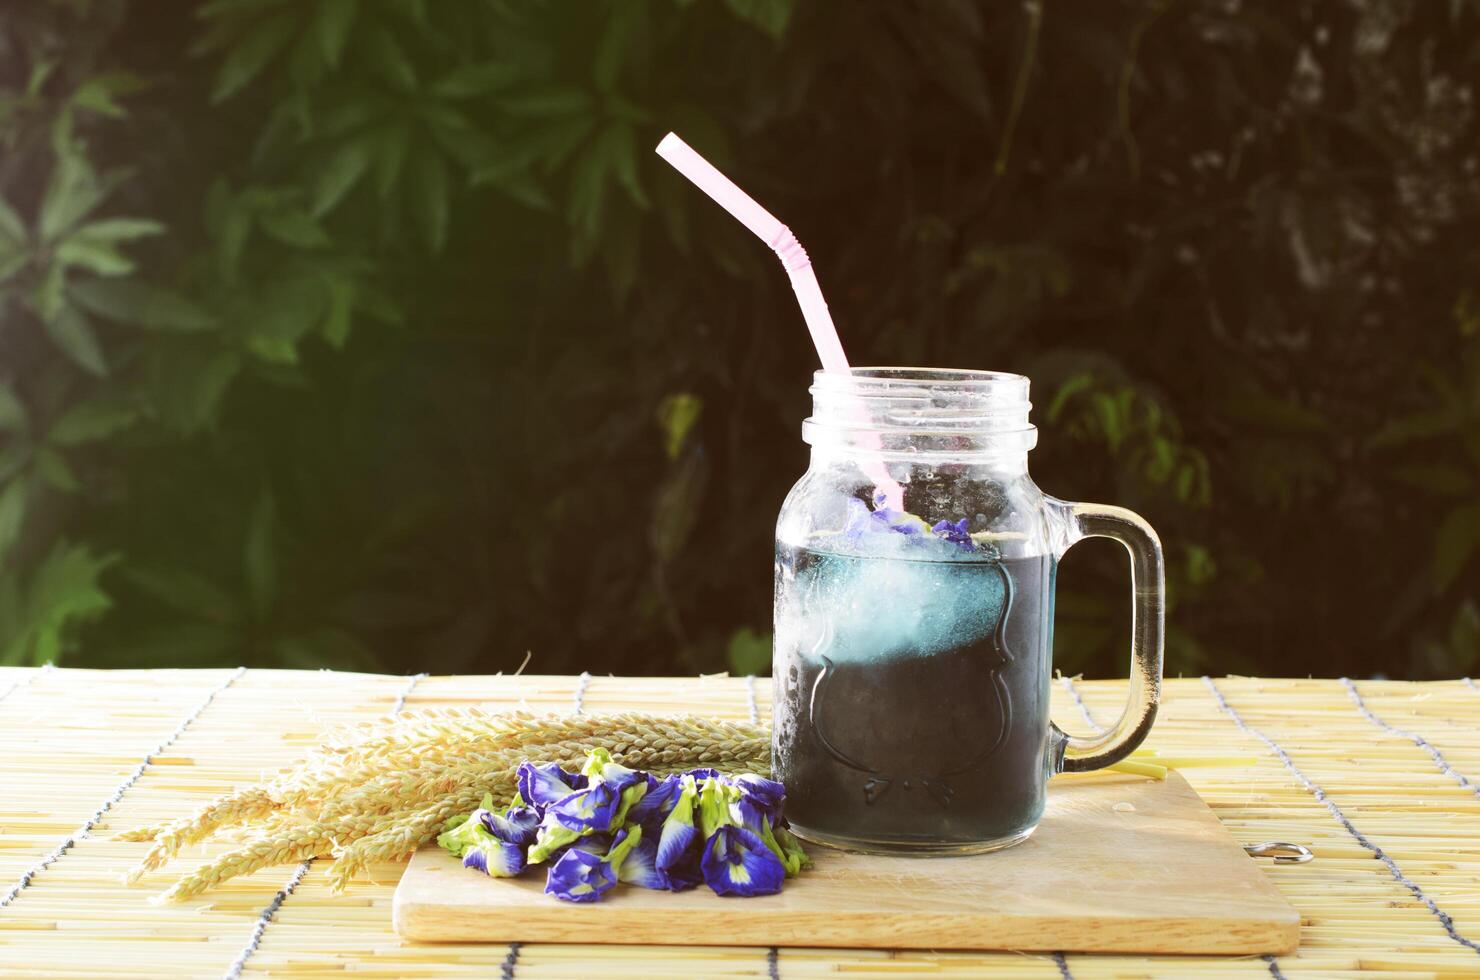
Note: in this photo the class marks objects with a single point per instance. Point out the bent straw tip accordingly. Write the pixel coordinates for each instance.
(669, 143)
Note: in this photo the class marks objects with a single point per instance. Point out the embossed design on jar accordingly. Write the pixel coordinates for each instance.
(882, 778)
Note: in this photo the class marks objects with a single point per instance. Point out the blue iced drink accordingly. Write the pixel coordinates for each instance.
(912, 691)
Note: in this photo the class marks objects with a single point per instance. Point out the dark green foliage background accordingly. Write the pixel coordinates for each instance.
(370, 334)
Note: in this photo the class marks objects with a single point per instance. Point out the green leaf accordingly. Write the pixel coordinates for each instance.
(1067, 390)
(349, 113)
(341, 305)
(117, 230)
(90, 421)
(141, 304)
(470, 81)
(73, 192)
(339, 176)
(388, 60)
(14, 458)
(1417, 427)
(52, 467)
(97, 257)
(12, 514)
(100, 92)
(294, 227)
(391, 157)
(749, 652)
(616, 41)
(677, 415)
(188, 385)
(71, 332)
(185, 591)
(259, 560)
(13, 414)
(12, 228)
(41, 70)
(247, 59)
(527, 191)
(1456, 542)
(274, 350)
(624, 159)
(429, 195)
(545, 102)
(51, 292)
(331, 26)
(12, 262)
(63, 591)
(588, 187)
(236, 228)
(770, 16)
(285, 313)
(676, 506)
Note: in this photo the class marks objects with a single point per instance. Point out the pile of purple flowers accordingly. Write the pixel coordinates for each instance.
(882, 518)
(609, 823)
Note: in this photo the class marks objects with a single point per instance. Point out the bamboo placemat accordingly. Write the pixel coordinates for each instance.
(1380, 779)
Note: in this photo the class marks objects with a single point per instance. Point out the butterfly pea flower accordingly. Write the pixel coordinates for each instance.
(463, 832)
(737, 862)
(540, 786)
(678, 849)
(495, 858)
(584, 876)
(517, 825)
(598, 808)
(899, 521)
(629, 783)
(747, 811)
(584, 812)
(601, 768)
(766, 794)
(957, 533)
(653, 808)
(715, 797)
(641, 869)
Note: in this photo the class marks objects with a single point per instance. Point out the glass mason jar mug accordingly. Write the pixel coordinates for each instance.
(914, 634)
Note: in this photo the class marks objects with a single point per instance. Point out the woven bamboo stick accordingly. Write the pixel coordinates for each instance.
(68, 740)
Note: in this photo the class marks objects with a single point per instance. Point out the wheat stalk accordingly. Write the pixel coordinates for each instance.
(378, 791)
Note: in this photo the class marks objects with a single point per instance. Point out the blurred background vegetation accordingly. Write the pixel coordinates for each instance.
(370, 334)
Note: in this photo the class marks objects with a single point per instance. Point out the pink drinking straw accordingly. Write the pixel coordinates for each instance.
(793, 257)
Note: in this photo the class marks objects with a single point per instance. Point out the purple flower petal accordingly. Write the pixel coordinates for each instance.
(737, 862)
(641, 869)
(580, 876)
(525, 820)
(766, 794)
(518, 827)
(676, 843)
(584, 876)
(540, 786)
(495, 858)
(654, 807)
(593, 808)
(956, 533)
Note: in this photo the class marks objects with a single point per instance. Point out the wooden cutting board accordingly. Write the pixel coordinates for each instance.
(1161, 875)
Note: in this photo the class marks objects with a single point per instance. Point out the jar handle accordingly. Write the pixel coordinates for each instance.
(1148, 614)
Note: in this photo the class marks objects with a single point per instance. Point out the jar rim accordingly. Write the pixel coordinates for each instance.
(953, 377)
(934, 412)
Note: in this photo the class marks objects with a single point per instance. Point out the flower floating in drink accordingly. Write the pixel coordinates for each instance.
(608, 824)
